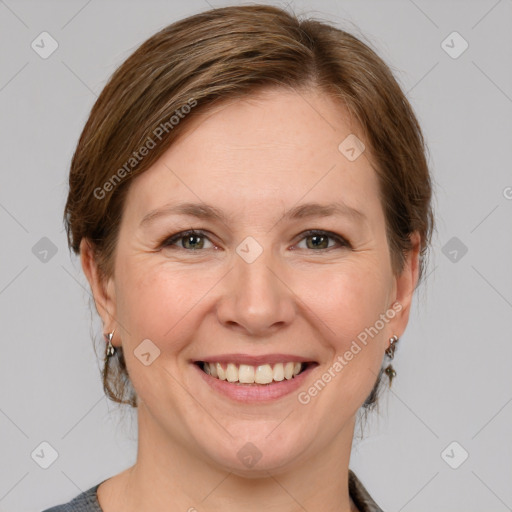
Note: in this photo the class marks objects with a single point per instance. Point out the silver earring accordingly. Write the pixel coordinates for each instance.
(111, 350)
(390, 353)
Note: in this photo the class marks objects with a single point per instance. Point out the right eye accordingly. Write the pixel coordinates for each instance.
(191, 237)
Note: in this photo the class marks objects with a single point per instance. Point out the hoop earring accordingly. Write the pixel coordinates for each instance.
(390, 353)
(110, 350)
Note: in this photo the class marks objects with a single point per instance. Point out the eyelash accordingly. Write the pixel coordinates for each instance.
(170, 241)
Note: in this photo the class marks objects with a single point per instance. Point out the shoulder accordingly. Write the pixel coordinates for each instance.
(360, 496)
(86, 501)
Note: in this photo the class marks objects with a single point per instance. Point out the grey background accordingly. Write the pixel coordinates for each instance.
(454, 378)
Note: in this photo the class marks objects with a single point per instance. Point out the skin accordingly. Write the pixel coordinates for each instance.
(254, 159)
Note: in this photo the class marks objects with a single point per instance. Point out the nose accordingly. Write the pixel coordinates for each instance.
(256, 299)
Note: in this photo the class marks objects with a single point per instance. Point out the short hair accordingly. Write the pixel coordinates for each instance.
(222, 55)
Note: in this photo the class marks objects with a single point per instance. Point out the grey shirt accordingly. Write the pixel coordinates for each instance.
(88, 500)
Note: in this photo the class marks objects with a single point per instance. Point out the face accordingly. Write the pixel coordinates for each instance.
(268, 280)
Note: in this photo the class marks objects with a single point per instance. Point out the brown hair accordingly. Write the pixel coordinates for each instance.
(226, 54)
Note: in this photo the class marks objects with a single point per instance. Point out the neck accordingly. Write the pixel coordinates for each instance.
(168, 476)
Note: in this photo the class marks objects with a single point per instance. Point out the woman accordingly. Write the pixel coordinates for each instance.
(251, 203)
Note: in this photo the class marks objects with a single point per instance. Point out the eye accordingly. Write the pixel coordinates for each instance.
(320, 238)
(191, 240)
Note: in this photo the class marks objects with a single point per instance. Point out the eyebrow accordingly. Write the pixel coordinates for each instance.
(209, 212)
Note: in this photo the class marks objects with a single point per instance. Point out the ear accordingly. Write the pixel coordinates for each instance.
(103, 292)
(405, 284)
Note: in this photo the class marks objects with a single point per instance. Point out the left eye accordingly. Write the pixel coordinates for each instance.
(193, 238)
(320, 238)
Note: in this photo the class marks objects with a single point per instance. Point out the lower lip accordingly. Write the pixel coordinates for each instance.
(248, 393)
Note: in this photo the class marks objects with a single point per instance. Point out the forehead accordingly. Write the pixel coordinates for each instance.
(273, 148)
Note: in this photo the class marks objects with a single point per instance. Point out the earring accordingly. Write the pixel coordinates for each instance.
(111, 350)
(390, 353)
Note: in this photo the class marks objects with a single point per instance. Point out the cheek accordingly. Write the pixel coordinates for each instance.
(346, 300)
(155, 302)
(351, 305)
(153, 299)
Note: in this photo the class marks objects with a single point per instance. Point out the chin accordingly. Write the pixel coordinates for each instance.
(256, 456)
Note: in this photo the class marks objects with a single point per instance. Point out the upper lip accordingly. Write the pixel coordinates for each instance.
(254, 360)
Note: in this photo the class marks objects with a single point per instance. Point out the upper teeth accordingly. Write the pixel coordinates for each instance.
(247, 374)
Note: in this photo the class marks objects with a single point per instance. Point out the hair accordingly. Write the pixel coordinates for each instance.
(226, 54)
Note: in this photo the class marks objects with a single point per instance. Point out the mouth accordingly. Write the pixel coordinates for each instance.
(254, 379)
(254, 375)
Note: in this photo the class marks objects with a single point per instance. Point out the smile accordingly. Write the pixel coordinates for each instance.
(249, 374)
(254, 383)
